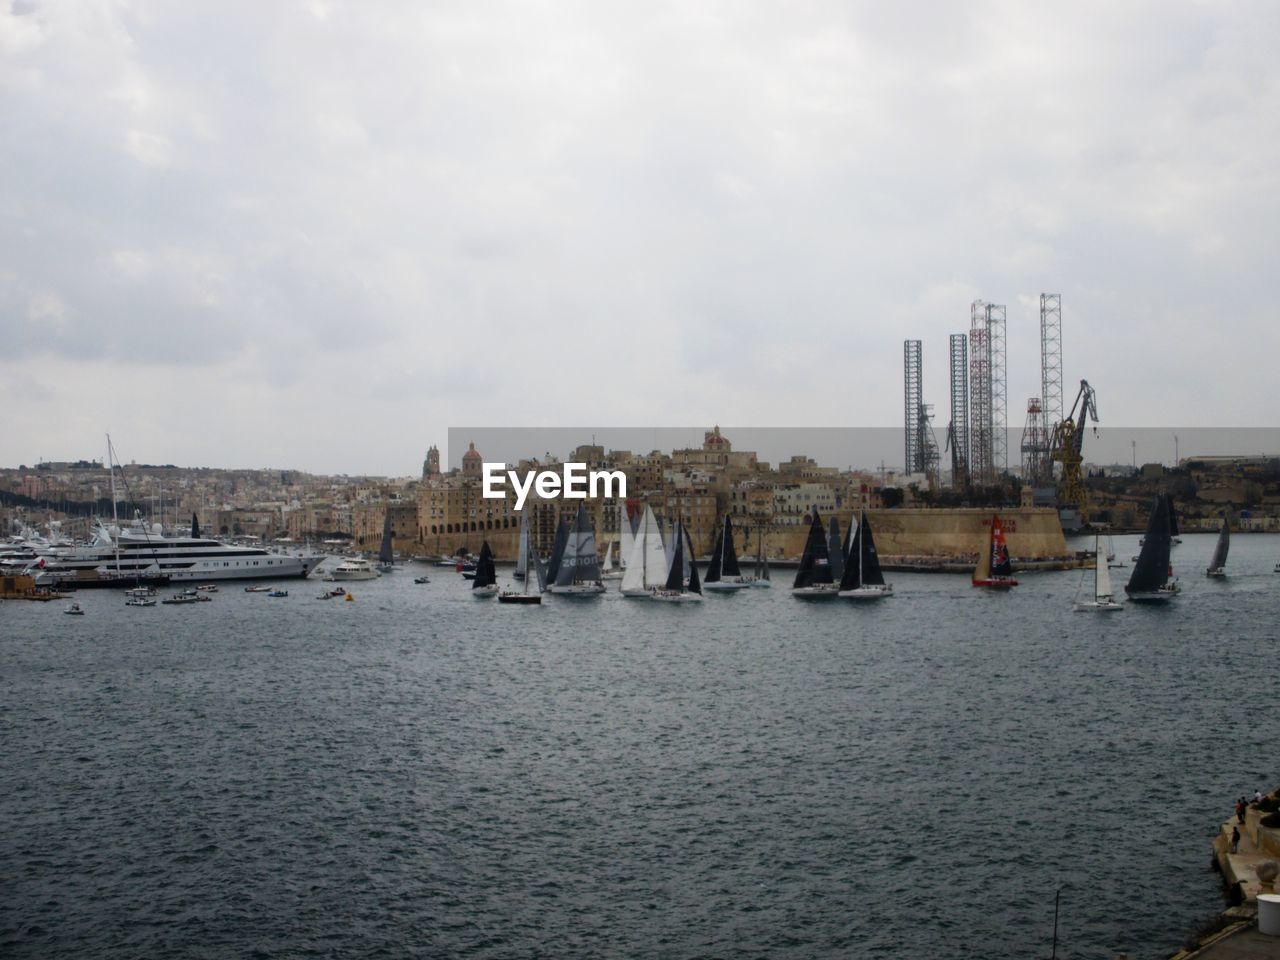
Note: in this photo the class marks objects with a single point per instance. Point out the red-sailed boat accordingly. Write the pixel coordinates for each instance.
(994, 569)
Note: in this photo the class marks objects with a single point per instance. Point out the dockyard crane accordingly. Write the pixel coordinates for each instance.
(959, 468)
(1068, 449)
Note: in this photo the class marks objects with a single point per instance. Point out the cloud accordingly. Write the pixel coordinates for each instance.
(508, 213)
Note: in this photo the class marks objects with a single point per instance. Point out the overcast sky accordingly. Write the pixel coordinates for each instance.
(317, 235)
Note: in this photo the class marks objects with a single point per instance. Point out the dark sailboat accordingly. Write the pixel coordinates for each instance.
(1149, 582)
(579, 572)
(675, 591)
(1217, 566)
(724, 575)
(386, 555)
(813, 579)
(863, 578)
(485, 584)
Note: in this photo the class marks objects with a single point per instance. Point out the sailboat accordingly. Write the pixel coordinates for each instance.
(1111, 555)
(627, 526)
(994, 569)
(647, 566)
(485, 585)
(1149, 582)
(386, 556)
(522, 550)
(863, 578)
(674, 590)
(1218, 564)
(579, 571)
(531, 562)
(813, 579)
(1103, 598)
(761, 578)
(607, 569)
(724, 574)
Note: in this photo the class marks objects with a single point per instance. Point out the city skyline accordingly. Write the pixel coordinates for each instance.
(317, 237)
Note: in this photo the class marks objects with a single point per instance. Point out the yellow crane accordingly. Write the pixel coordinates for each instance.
(1067, 449)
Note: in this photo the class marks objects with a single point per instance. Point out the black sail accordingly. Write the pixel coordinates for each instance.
(675, 576)
(814, 567)
(729, 561)
(1173, 516)
(486, 574)
(694, 585)
(834, 554)
(851, 579)
(717, 558)
(871, 572)
(1151, 570)
(195, 527)
(557, 550)
(1220, 548)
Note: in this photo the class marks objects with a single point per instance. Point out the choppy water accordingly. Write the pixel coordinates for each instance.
(421, 773)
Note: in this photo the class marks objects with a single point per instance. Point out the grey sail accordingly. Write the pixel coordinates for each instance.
(1220, 548)
(729, 554)
(1151, 569)
(581, 562)
(533, 562)
(834, 554)
(557, 550)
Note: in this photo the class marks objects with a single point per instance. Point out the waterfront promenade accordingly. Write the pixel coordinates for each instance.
(1239, 937)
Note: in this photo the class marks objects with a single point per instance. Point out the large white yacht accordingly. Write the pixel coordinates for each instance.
(141, 553)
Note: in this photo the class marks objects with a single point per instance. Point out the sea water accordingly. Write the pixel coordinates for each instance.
(420, 773)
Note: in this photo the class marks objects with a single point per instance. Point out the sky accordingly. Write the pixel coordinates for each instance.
(319, 235)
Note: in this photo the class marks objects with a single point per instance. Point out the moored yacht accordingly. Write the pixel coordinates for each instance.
(353, 568)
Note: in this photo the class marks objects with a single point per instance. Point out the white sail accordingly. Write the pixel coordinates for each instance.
(607, 562)
(1102, 577)
(647, 565)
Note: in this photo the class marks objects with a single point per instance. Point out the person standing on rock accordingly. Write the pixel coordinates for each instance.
(1235, 839)
(1241, 806)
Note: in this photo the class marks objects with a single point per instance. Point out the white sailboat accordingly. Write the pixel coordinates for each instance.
(1103, 598)
(524, 596)
(1217, 566)
(607, 569)
(647, 566)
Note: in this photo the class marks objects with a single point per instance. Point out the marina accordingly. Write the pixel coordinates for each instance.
(636, 779)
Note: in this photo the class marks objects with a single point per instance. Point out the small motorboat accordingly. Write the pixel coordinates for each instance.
(256, 589)
(140, 602)
(75, 610)
(278, 593)
(421, 579)
(208, 587)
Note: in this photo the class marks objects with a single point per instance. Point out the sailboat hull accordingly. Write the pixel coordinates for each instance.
(823, 591)
(1163, 595)
(725, 586)
(577, 589)
(1100, 605)
(996, 583)
(522, 598)
(671, 596)
(484, 593)
(876, 592)
(1217, 573)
